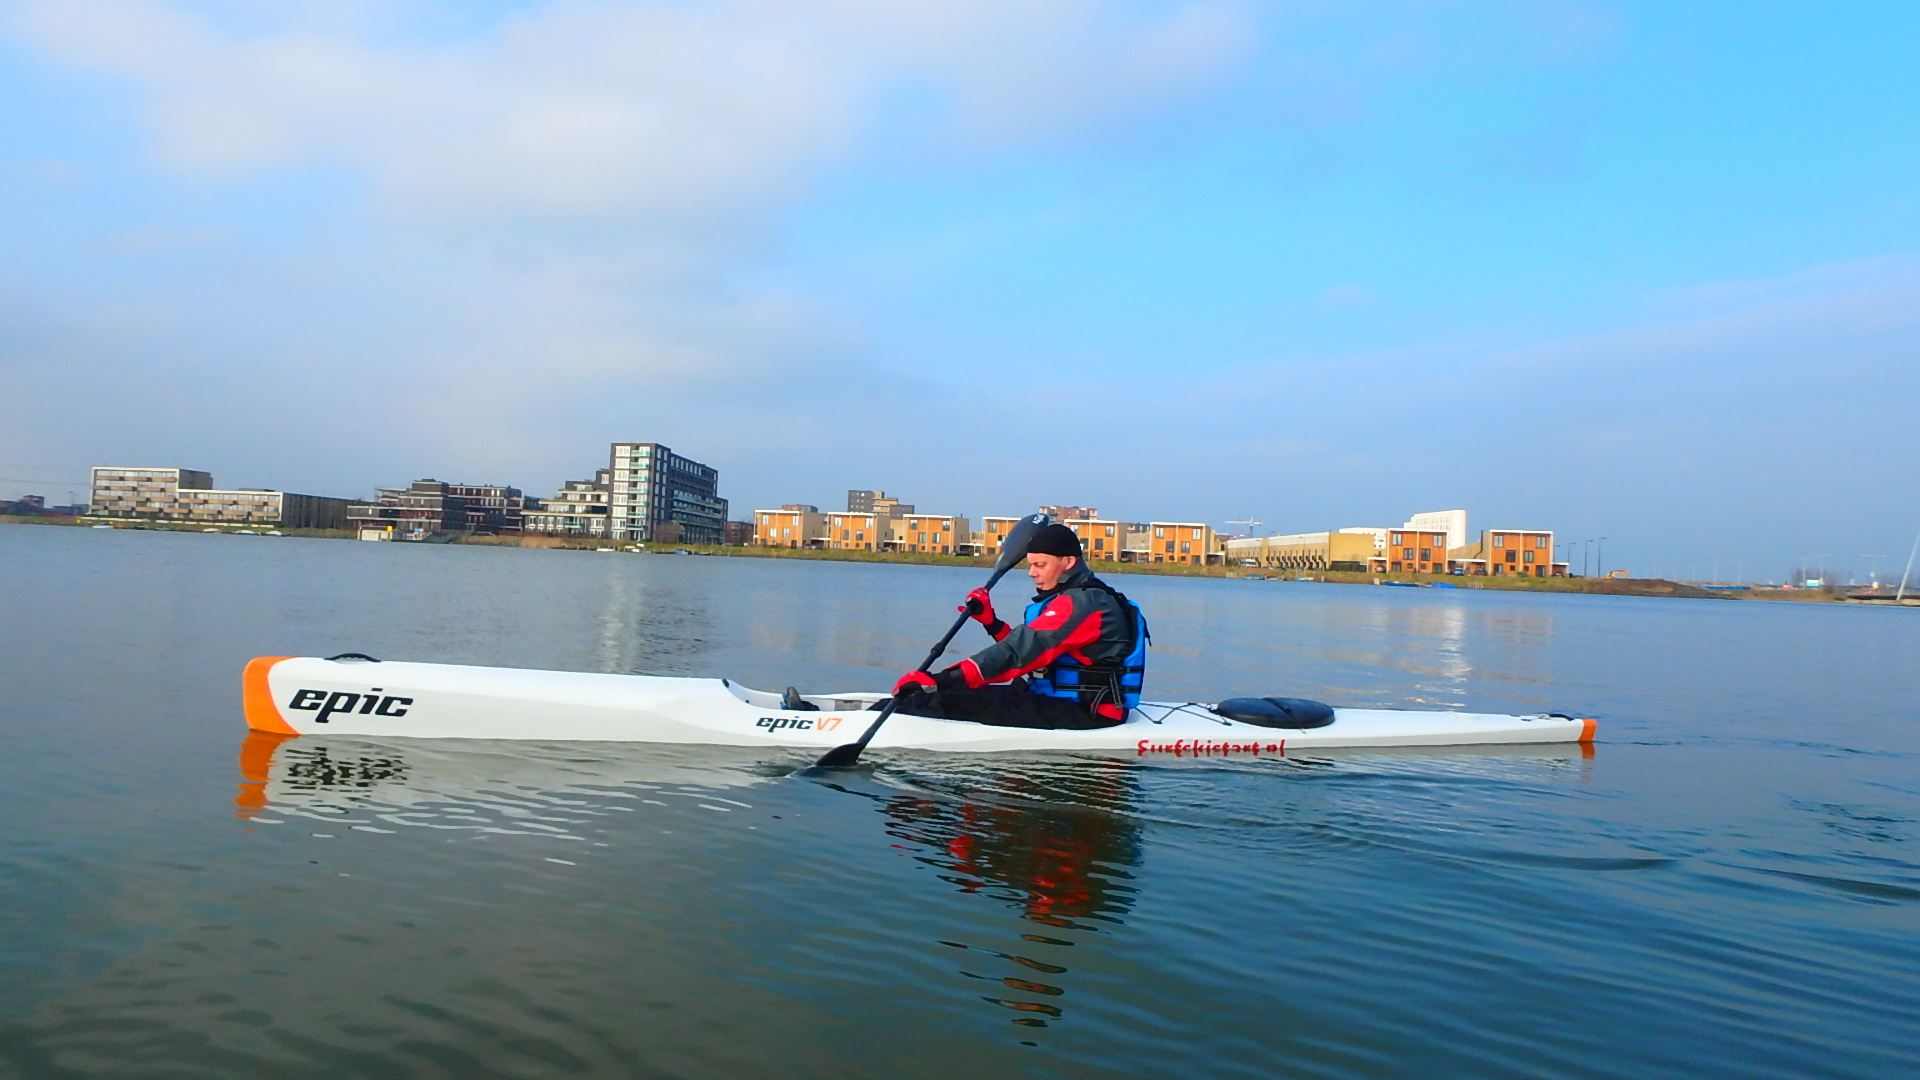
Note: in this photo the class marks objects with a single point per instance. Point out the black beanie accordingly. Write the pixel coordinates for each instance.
(1055, 539)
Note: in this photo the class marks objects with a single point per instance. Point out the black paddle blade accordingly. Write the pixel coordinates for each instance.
(1014, 548)
(840, 757)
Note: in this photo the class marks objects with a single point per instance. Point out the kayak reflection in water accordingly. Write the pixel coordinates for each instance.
(1057, 846)
(308, 769)
(1077, 662)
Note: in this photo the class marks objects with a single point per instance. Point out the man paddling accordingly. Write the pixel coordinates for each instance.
(1078, 662)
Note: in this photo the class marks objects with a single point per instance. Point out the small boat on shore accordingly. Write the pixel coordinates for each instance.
(353, 694)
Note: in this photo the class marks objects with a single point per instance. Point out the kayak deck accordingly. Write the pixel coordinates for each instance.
(360, 696)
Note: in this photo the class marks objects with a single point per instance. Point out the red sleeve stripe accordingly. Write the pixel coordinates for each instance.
(1086, 633)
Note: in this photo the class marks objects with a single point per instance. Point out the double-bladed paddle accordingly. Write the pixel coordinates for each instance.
(1012, 550)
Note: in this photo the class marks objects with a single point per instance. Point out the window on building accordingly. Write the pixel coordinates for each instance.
(859, 534)
(1099, 544)
(1499, 540)
(1529, 556)
(1540, 541)
(1109, 530)
(1426, 554)
(1169, 547)
(1398, 539)
(1510, 555)
(1185, 547)
(1160, 534)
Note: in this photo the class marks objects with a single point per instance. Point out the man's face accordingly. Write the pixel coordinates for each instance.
(1045, 570)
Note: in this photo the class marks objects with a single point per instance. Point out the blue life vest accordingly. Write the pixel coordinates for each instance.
(1097, 684)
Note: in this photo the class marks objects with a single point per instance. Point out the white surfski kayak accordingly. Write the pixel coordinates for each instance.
(355, 696)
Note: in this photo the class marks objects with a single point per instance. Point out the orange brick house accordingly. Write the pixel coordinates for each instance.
(1528, 552)
(1412, 551)
(856, 531)
(789, 528)
(1098, 539)
(1181, 542)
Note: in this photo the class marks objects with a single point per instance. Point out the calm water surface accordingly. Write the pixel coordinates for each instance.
(1728, 885)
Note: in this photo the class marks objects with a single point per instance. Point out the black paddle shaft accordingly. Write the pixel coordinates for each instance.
(1012, 550)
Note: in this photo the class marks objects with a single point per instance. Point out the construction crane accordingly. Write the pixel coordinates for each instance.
(1250, 522)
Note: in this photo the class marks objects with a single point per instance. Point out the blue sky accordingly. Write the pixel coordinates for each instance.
(1647, 271)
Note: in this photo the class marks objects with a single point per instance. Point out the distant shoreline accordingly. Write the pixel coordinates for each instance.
(1656, 587)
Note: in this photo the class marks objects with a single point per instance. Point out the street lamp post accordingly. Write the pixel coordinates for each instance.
(1600, 559)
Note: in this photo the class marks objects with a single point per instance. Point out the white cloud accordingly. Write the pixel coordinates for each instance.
(662, 110)
(559, 202)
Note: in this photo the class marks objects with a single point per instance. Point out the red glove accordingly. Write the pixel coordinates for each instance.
(913, 679)
(979, 608)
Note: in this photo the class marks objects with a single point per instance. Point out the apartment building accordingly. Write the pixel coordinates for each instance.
(938, 534)
(188, 495)
(863, 531)
(412, 512)
(876, 502)
(491, 508)
(1330, 550)
(655, 494)
(133, 492)
(789, 528)
(1181, 542)
(579, 508)
(432, 506)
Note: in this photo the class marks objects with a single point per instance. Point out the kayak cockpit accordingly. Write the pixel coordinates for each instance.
(855, 701)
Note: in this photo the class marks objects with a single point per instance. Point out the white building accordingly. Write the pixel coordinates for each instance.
(1451, 522)
(578, 509)
(188, 495)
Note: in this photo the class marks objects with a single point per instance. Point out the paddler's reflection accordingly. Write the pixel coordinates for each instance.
(1058, 846)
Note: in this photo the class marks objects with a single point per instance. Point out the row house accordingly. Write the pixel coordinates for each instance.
(992, 535)
(935, 534)
(1099, 540)
(1498, 552)
(1412, 551)
(865, 530)
(1527, 552)
(1176, 542)
(796, 528)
